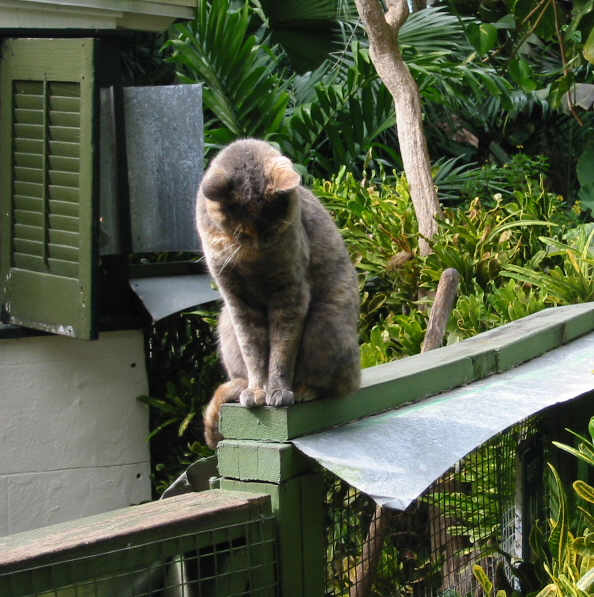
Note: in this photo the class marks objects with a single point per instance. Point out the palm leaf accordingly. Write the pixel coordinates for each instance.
(343, 121)
(238, 72)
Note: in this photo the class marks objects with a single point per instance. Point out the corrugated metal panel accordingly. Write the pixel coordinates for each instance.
(164, 147)
(164, 295)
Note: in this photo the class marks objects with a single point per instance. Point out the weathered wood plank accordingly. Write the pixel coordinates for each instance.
(163, 519)
(393, 384)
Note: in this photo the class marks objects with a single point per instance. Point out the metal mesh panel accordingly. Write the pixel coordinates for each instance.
(471, 515)
(239, 559)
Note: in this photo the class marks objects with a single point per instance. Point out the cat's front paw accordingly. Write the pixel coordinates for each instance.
(251, 397)
(280, 397)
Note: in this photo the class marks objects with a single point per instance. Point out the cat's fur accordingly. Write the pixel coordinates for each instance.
(288, 327)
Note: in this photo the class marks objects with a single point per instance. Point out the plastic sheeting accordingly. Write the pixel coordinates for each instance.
(393, 457)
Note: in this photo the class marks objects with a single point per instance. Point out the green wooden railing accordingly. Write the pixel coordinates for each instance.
(212, 543)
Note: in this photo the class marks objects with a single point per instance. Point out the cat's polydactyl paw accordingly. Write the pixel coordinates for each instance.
(251, 397)
(280, 397)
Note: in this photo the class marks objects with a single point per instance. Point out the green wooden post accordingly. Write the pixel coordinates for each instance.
(295, 486)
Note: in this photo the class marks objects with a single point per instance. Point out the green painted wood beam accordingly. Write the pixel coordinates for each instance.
(408, 380)
(261, 461)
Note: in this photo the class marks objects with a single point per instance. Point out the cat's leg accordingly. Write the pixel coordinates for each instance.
(229, 347)
(286, 316)
(249, 338)
(329, 362)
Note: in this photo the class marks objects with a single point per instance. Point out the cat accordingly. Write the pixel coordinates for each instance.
(288, 327)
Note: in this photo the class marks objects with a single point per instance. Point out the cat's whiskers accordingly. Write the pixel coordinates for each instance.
(229, 259)
(237, 232)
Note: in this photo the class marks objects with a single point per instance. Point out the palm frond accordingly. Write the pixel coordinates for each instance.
(343, 121)
(241, 89)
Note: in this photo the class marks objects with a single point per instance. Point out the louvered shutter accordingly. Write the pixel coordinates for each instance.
(46, 184)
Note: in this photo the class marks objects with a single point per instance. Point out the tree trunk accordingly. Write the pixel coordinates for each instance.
(382, 30)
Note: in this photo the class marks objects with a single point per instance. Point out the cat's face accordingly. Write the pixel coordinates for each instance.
(249, 191)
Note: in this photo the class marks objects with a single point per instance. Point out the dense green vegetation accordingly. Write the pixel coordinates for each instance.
(507, 88)
(563, 564)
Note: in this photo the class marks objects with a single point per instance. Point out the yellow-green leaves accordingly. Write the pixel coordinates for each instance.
(589, 47)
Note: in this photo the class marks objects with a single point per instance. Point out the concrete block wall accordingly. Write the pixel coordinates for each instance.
(72, 432)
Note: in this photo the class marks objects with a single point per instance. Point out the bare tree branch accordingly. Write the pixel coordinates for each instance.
(443, 304)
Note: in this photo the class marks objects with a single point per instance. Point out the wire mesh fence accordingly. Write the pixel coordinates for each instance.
(233, 560)
(473, 514)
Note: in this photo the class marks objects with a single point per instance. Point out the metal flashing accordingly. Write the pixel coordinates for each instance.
(165, 295)
(395, 456)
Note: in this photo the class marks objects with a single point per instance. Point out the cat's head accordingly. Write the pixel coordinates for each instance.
(249, 189)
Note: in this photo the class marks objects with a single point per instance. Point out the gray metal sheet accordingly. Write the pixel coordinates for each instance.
(109, 220)
(165, 295)
(395, 456)
(164, 148)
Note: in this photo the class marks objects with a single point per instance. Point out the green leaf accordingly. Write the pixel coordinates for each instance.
(542, 19)
(583, 453)
(584, 490)
(163, 425)
(559, 530)
(584, 546)
(585, 166)
(184, 424)
(586, 583)
(483, 579)
(588, 50)
(482, 36)
(521, 72)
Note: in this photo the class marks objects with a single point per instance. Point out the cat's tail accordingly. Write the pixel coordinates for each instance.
(227, 392)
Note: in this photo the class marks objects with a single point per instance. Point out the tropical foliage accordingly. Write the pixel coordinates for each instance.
(563, 552)
(339, 113)
(484, 238)
(491, 74)
(495, 76)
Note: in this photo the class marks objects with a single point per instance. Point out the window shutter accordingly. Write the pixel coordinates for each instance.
(47, 184)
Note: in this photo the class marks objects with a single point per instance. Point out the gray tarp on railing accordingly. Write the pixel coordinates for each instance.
(395, 456)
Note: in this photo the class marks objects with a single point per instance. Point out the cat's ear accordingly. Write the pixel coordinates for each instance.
(282, 177)
(216, 184)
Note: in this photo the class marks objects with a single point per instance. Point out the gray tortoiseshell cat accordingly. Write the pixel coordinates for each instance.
(288, 328)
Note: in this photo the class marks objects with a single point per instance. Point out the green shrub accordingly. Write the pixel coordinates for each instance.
(183, 369)
(487, 239)
(573, 280)
(482, 310)
(563, 559)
